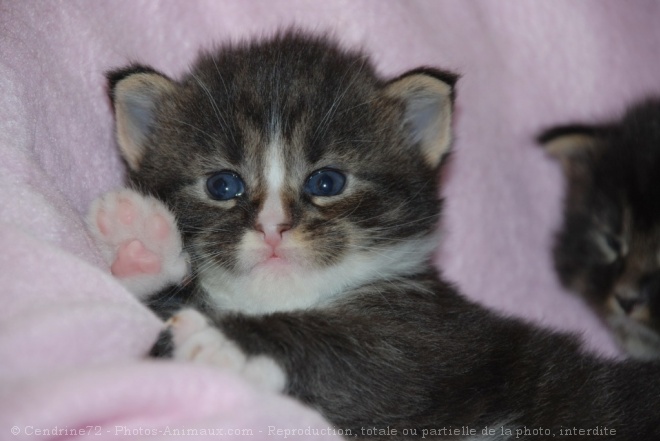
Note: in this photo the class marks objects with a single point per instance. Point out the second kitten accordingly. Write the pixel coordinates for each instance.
(608, 248)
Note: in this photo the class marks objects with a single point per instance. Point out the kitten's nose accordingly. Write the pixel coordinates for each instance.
(627, 304)
(273, 220)
(273, 232)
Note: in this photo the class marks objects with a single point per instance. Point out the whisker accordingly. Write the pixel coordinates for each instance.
(327, 118)
(214, 105)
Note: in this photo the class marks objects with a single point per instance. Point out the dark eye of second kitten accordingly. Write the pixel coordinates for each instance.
(225, 185)
(649, 286)
(325, 182)
(613, 243)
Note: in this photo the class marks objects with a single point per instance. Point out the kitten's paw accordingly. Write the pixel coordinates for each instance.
(139, 239)
(195, 339)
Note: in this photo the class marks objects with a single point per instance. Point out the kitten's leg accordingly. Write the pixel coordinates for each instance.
(350, 363)
(139, 239)
(195, 339)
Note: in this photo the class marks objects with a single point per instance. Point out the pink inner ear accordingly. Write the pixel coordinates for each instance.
(133, 259)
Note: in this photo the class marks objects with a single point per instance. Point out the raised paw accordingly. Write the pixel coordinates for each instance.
(195, 339)
(139, 240)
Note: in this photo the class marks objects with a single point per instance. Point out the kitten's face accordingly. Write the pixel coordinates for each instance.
(609, 246)
(295, 173)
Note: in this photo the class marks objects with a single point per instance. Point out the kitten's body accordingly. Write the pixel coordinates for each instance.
(608, 248)
(338, 289)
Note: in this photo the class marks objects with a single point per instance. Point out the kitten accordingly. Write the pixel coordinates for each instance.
(608, 248)
(305, 188)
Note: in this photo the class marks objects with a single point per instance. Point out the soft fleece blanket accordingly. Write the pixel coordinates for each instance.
(72, 340)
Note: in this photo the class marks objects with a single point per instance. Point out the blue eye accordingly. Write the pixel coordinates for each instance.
(225, 185)
(325, 182)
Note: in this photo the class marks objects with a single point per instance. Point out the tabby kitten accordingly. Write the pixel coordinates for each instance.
(608, 248)
(305, 188)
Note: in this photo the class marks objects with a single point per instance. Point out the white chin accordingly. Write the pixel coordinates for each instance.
(286, 284)
(270, 286)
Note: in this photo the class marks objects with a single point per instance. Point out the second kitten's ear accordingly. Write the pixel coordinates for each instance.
(428, 95)
(135, 92)
(571, 145)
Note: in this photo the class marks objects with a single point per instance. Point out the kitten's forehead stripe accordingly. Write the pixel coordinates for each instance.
(274, 172)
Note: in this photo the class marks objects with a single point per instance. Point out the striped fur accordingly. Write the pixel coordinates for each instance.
(361, 324)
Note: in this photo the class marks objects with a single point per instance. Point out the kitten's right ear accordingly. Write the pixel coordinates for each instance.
(135, 92)
(428, 95)
(571, 145)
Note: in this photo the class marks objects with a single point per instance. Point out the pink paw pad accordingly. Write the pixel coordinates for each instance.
(139, 239)
(160, 227)
(134, 259)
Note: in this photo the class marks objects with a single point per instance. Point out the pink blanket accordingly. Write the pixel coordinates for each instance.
(72, 340)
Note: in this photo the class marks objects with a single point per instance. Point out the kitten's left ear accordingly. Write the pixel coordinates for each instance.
(573, 145)
(428, 95)
(136, 92)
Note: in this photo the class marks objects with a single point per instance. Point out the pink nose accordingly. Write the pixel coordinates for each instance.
(273, 232)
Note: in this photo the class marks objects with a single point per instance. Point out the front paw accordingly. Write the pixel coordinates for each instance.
(139, 239)
(195, 339)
